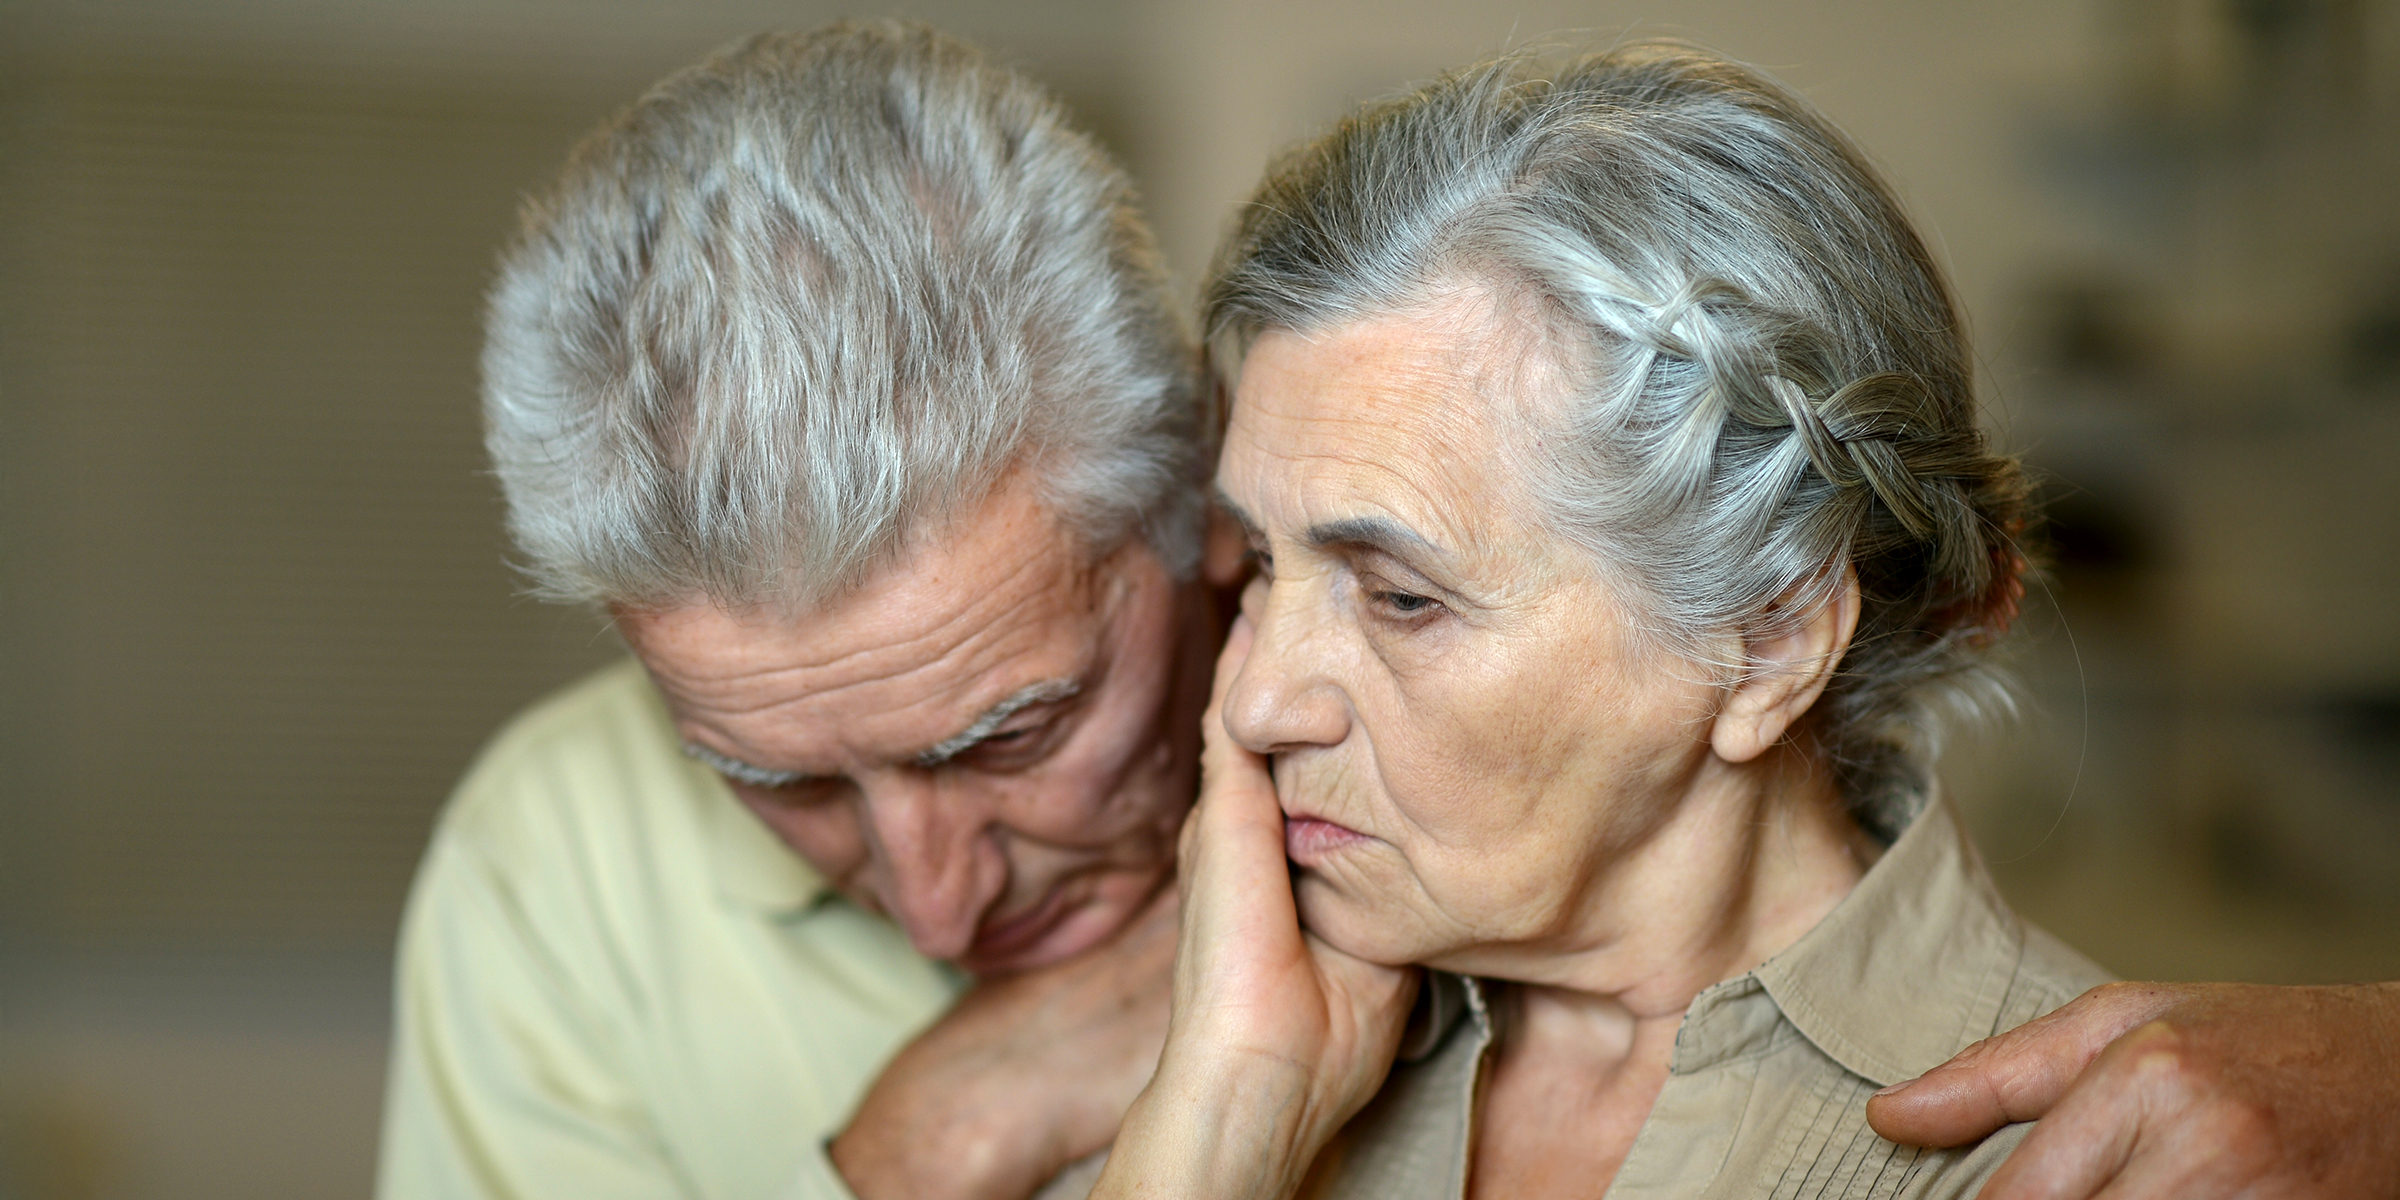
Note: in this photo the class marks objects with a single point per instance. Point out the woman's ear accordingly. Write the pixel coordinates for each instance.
(1786, 675)
(1224, 552)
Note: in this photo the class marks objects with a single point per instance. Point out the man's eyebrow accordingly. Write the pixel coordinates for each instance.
(960, 742)
(740, 772)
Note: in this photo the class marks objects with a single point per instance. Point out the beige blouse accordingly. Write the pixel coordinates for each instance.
(1766, 1096)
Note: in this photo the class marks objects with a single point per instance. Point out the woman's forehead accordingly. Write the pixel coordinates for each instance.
(1411, 416)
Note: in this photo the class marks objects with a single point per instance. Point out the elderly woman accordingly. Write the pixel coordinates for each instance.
(1604, 437)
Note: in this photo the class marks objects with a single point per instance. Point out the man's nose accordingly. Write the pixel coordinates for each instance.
(1287, 695)
(941, 867)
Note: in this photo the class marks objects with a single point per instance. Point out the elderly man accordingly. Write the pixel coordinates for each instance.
(838, 369)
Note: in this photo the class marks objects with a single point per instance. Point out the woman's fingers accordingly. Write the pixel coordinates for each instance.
(1239, 922)
(1247, 966)
(1379, 999)
(1230, 660)
(1242, 820)
(1277, 1038)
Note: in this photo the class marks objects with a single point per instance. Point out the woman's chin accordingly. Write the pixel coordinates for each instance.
(1357, 926)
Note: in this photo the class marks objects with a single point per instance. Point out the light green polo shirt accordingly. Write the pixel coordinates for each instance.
(615, 982)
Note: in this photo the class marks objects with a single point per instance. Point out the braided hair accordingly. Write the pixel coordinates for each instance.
(1772, 386)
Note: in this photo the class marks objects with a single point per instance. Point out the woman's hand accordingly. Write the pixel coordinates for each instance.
(1277, 1038)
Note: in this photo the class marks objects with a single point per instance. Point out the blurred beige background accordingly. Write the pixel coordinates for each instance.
(254, 616)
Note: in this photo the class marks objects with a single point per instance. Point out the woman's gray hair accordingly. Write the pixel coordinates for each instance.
(1772, 379)
(815, 293)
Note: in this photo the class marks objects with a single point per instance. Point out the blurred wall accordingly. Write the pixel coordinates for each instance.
(254, 614)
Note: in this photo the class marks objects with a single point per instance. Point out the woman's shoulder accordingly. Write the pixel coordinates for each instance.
(2049, 973)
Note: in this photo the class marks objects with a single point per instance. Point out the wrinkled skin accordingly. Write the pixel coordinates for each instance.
(1437, 742)
(993, 740)
(1296, 1034)
(2183, 1091)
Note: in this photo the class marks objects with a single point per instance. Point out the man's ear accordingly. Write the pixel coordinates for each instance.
(1785, 676)
(1224, 552)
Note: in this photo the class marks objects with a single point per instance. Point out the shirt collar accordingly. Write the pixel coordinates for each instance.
(1910, 967)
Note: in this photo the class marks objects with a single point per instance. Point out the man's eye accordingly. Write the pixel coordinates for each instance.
(1012, 749)
(1405, 603)
(809, 792)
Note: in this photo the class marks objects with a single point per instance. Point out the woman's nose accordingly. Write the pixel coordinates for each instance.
(940, 869)
(1287, 695)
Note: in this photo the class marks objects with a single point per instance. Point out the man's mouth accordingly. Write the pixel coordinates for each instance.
(1309, 841)
(1003, 938)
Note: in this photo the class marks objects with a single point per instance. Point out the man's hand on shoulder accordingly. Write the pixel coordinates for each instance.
(2194, 1091)
(1026, 1074)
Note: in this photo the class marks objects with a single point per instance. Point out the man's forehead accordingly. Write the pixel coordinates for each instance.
(999, 605)
(820, 705)
(926, 639)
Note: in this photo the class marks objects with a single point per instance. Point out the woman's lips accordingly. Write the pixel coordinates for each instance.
(1309, 841)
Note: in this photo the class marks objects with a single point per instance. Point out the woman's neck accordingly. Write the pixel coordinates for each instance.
(1754, 858)
(1751, 857)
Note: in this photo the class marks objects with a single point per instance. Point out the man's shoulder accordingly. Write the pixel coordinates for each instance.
(589, 790)
(584, 718)
(594, 760)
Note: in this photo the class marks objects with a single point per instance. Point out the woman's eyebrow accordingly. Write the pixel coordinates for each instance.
(1376, 533)
(1373, 533)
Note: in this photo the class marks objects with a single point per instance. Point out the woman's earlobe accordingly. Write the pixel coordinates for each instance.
(1785, 675)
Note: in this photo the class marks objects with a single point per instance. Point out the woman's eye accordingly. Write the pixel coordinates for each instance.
(1405, 603)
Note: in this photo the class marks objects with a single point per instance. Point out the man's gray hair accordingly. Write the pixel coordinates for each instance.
(1772, 379)
(817, 293)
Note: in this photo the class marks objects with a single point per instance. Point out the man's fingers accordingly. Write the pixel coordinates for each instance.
(2016, 1076)
(2076, 1149)
(2149, 1121)
(1951, 1105)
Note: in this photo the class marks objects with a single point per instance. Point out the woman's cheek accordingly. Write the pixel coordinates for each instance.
(1437, 787)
